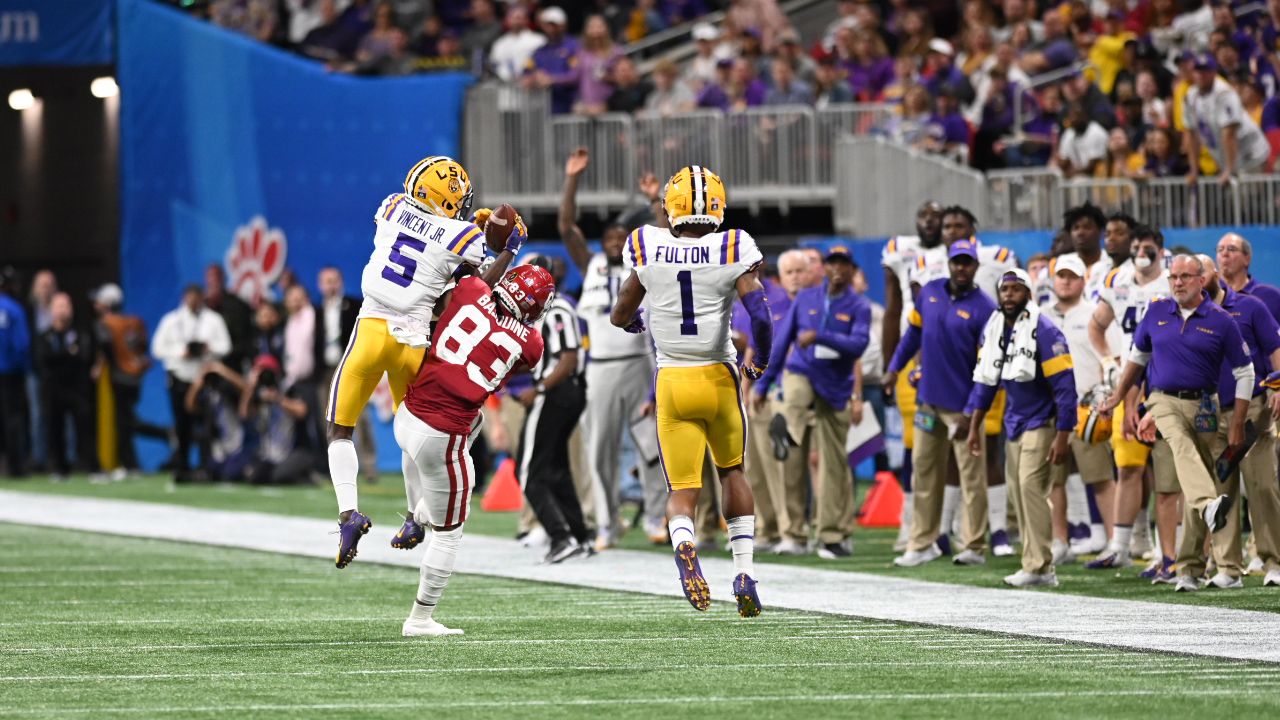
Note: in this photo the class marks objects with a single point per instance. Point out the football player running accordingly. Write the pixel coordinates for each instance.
(691, 274)
(484, 335)
(422, 242)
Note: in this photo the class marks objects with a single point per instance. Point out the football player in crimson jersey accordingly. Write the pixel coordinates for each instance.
(483, 335)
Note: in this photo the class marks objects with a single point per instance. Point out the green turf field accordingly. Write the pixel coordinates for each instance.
(873, 549)
(117, 627)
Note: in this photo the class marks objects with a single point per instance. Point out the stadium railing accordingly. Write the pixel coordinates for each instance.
(1022, 198)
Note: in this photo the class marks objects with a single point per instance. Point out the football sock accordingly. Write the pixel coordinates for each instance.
(1077, 500)
(742, 532)
(681, 529)
(904, 475)
(1095, 517)
(1124, 534)
(1178, 538)
(344, 467)
(908, 511)
(1142, 525)
(950, 504)
(998, 507)
(412, 482)
(437, 566)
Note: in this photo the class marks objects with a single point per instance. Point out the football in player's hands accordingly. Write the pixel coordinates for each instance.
(498, 227)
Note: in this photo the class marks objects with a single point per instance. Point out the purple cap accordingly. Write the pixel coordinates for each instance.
(1205, 61)
(838, 251)
(1115, 15)
(963, 247)
(1186, 55)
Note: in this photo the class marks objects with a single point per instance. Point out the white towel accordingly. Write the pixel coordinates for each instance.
(1017, 360)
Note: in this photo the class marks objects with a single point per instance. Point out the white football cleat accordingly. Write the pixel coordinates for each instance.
(1062, 554)
(1186, 583)
(969, 557)
(1225, 582)
(912, 558)
(1255, 567)
(1272, 578)
(791, 547)
(1024, 579)
(427, 628)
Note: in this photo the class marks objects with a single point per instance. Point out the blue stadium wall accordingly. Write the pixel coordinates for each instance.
(217, 128)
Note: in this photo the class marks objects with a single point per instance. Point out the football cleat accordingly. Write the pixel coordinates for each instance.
(427, 628)
(695, 587)
(1112, 560)
(1062, 554)
(1162, 571)
(944, 544)
(1000, 545)
(410, 536)
(349, 534)
(744, 588)
(1224, 581)
(1186, 583)
(969, 557)
(912, 558)
(561, 551)
(1024, 579)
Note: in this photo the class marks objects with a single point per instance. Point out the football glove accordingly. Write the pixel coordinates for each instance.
(480, 217)
(637, 323)
(753, 372)
(517, 237)
(1111, 371)
(1272, 381)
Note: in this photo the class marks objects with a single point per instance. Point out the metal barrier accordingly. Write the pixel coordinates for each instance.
(880, 184)
(1024, 198)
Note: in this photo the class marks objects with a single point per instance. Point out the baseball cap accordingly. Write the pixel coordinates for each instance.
(705, 31)
(1017, 275)
(939, 45)
(553, 15)
(1068, 262)
(266, 361)
(838, 252)
(109, 294)
(788, 36)
(1186, 55)
(1205, 61)
(963, 247)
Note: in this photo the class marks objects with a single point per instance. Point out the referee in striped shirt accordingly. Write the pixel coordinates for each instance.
(554, 404)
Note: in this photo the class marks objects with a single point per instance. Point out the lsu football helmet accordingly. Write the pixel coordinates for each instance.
(440, 186)
(1092, 426)
(694, 196)
(526, 292)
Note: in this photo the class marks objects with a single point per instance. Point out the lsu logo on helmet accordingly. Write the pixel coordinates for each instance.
(440, 186)
(694, 196)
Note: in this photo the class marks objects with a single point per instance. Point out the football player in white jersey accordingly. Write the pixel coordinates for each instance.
(960, 224)
(619, 369)
(691, 275)
(1125, 295)
(422, 242)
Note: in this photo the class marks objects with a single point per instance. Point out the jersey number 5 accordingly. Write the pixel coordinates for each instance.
(403, 278)
(687, 326)
(468, 340)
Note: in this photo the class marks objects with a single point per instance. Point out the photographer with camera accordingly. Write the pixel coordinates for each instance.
(185, 339)
(277, 419)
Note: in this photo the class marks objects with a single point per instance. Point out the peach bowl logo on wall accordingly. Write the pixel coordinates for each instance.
(256, 259)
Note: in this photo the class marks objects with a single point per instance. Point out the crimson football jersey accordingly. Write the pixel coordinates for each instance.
(472, 352)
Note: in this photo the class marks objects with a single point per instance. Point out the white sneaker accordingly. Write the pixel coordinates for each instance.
(1140, 541)
(912, 558)
(969, 557)
(119, 474)
(1255, 567)
(427, 628)
(1225, 582)
(1024, 579)
(1272, 578)
(1186, 583)
(535, 538)
(1062, 554)
(763, 546)
(1091, 545)
(1216, 513)
(791, 547)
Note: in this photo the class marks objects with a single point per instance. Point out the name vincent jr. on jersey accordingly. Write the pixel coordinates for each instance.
(419, 225)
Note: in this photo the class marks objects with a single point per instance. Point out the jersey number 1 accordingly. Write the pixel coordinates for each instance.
(688, 326)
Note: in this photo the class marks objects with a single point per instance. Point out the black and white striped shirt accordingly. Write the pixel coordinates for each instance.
(560, 334)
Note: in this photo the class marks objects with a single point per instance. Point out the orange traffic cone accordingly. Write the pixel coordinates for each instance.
(504, 493)
(883, 506)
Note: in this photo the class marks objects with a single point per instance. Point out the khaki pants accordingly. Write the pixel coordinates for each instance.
(1258, 470)
(1193, 458)
(833, 486)
(929, 465)
(1027, 474)
(764, 472)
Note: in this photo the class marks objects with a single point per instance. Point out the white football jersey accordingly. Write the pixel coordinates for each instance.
(691, 284)
(1129, 300)
(993, 261)
(899, 255)
(600, 285)
(1074, 325)
(415, 255)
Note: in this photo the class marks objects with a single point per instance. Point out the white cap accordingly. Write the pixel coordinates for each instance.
(705, 31)
(939, 45)
(553, 15)
(1070, 262)
(109, 294)
(1017, 275)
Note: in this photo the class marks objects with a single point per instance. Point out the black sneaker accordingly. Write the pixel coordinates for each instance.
(561, 550)
(780, 438)
(833, 551)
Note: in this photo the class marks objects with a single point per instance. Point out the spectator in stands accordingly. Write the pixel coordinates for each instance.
(976, 13)
(184, 340)
(455, 14)
(512, 52)
(1018, 12)
(43, 287)
(1252, 96)
(1056, 49)
(751, 49)
(236, 315)
(1270, 115)
(553, 62)
(996, 122)
(1216, 120)
(448, 57)
(978, 47)
(378, 41)
(255, 18)
(122, 341)
(484, 30)
(1002, 59)
(916, 33)
(268, 331)
(763, 16)
(629, 90)
(278, 417)
(596, 57)
(1162, 156)
(940, 69)
(644, 19)
(905, 74)
(716, 94)
(670, 94)
(426, 43)
(948, 131)
(1122, 159)
(1039, 134)
(845, 19)
(787, 90)
(65, 359)
(830, 87)
(331, 40)
(398, 61)
(1126, 77)
(869, 67)
(1078, 89)
(358, 17)
(789, 50)
(912, 126)
(746, 90)
(410, 13)
(1083, 144)
(1109, 51)
(676, 12)
(1132, 123)
(1155, 111)
(15, 362)
(701, 70)
(305, 16)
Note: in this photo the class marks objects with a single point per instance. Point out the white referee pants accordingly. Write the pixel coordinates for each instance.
(444, 471)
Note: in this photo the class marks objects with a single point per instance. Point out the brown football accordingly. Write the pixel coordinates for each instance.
(499, 227)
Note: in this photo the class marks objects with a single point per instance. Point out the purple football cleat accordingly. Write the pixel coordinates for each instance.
(349, 534)
(694, 585)
(1163, 572)
(410, 536)
(944, 543)
(744, 588)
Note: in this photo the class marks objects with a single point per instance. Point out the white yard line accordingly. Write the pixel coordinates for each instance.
(1190, 629)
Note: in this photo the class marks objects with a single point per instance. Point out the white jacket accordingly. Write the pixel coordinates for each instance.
(180, 327)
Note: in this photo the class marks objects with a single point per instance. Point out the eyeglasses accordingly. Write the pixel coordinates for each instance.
(1230, 249)
(1183, 278)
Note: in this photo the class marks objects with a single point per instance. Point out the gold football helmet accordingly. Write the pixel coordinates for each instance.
(695, 195)
(1092, 426)
(440, 186)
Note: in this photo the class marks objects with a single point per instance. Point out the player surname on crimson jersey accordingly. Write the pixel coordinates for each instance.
(690, 286)
(1129, 300)
(415, 255)
(473, 353)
